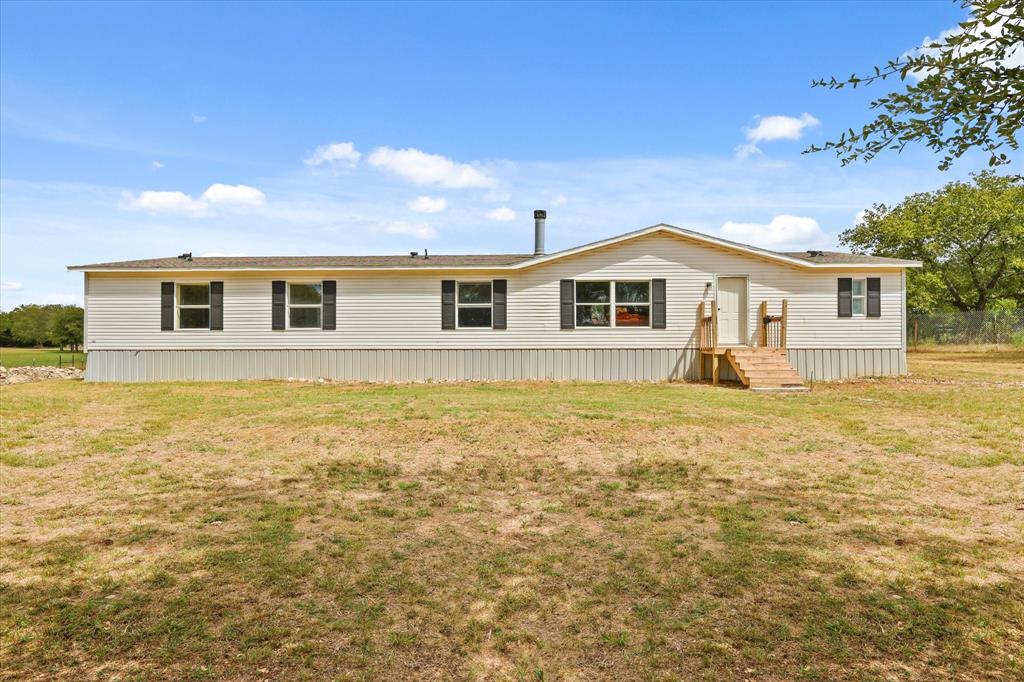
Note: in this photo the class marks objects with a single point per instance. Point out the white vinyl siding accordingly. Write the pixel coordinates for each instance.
(403, 309)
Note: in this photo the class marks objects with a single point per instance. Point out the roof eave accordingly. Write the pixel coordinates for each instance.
(319, 268)
(714, 241)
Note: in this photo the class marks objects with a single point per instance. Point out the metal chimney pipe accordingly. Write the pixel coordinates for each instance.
(539, 217)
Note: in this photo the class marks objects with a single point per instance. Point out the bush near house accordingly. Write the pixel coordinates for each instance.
(866, 530)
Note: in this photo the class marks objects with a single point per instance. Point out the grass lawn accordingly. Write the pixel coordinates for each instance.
(867, 530)
(19, 357)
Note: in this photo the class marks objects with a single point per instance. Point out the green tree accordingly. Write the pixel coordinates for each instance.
(968, 235)
(67, 326)
(6, 336)
(30, 323)
(970, 93)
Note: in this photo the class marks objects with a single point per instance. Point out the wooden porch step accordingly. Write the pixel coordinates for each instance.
(770, 360)
(764, 368)
(781, 372)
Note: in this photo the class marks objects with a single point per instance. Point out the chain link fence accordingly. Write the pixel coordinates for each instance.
(966, 327)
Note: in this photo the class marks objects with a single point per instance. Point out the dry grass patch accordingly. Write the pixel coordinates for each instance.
(867, 530)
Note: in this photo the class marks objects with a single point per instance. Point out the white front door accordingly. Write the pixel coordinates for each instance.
(732, 310)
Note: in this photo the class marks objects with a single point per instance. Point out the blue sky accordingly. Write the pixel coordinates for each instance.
(142, 130)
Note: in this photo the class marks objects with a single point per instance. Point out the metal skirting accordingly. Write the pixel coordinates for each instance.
(828, 364)
(419, 365)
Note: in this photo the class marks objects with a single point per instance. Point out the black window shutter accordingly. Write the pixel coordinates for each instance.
(277, 310)
(845, 297)
(217, 306)
(658, 303)
(330, 314)
(166, 306)
(448, 304)
(568, 308)
(874, 297)
(499, 298)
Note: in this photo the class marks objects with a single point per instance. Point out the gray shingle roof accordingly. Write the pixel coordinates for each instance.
(839, 258)
(304, 262)
(483, 261)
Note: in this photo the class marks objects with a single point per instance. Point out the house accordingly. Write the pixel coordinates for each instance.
(661, 303)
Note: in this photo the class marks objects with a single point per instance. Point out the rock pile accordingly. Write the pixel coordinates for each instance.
(20, 375)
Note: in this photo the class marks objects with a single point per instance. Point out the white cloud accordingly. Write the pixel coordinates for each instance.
(157, 165)
(422, 168)
(417, 230)
(183, 204)
(428, 204)
(10, 286)
(165, 202)
(782, 233)
(559, 200)
(198, 118)
(503, 214)
(780, 128)
(335, 153)
(238, 195)
(220, 254)
(770, 128)
(745, 151)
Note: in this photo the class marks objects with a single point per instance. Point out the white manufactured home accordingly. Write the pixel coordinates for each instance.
(661, 303)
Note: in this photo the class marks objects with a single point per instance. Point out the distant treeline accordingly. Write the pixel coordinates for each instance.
(43, 325)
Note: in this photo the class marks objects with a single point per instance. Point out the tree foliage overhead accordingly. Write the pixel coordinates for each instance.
(970, 93)
(968, 235)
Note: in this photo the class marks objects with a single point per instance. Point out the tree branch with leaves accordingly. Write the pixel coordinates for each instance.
(969, 92)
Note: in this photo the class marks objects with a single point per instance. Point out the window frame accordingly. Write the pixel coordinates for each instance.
(179, 306)
(863, 297)
(489, 305)
(288, 305)
(614, 303)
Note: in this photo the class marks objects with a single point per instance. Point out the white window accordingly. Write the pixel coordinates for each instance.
(858, 296)
(305, 301)
(630, 301)
(193, 306)
(474, 304)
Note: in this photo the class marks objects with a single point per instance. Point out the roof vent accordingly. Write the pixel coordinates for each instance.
(186, 256)
(814, 254)
(539, 217)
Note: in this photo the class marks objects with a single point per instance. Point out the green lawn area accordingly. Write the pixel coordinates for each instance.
(868, 530)
(19, 357)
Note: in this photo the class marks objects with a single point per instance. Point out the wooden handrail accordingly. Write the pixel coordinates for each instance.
(785, 322)
(773, 327)
(714, 323)
(762, 312)
(707, 331)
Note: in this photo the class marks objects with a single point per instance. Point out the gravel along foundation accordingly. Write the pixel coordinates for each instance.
(21, 375)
